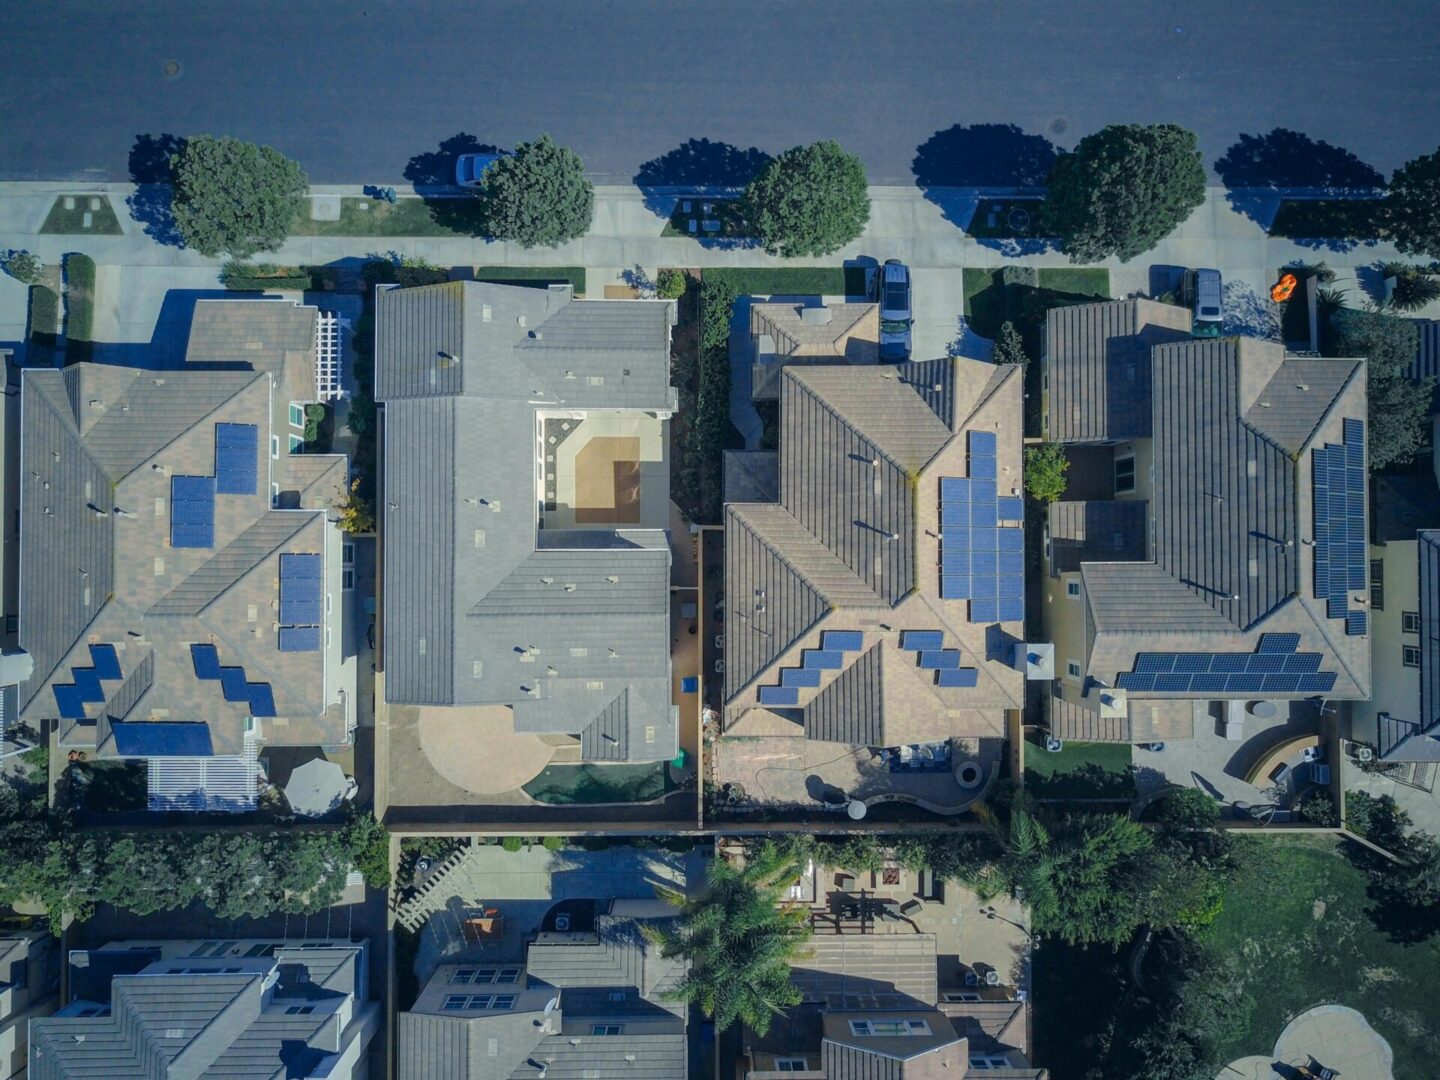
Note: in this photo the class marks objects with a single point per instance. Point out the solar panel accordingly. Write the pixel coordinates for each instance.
(237, 447)
(796, 676)
(987, 539)
(106, 661)
(940, 658)
(1282, 643)
(1320, 683)
(1338, 498)
(300, 590)
(1175, 684)
(1012, 540)
(1155, 662)
(1230, 662)
(299, 639)
(232, 682)
(1010, 508)
(1302, 663)
(1355, 623)
(262, 699)
(1266, 663)
(954, 487)
(982, 515)
(1130, 680)
(822, 659)
(1281, 684)
(982, 468)
(779, 695)
(1012, 562)
(192, 512)
(67, 700)
(922, 639)
(1208, 684)
(955, 587)
(206, 659)
(965, 676)
(982, 442)
(984, 586)
(844, 640)
(1011, 609)
(1244, 684)
(984, 562)
(1010, 587)
(162, 739)
(87, 683)
(956, 513)
(984, 611)
(1192, 662)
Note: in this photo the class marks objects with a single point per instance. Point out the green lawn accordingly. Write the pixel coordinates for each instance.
(1080, 771)
(564, 784)
(1086, 281)
(794, 280)
(988, 302)
(984, 300)
(1354, 219)
(1295, 923)
(726, 211)
(538, 276)
(409, 216)
(63, 220)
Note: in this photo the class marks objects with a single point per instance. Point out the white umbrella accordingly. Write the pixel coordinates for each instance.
(316, 787)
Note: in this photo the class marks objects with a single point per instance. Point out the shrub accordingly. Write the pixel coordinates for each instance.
(369, 846)
(1412, 206)
(357, 514)
(314, 417)
(79, 306)
(22, 266)
(538, 195)
(241, 276)
(1124, 189)
(512, 843)
(1320, 271)
(670, 283)
(553, 843)
(1045, 468)
(1415, 286)
(811, 200)
(44, 312)
(1025, 276)
(1318, 808)
(1399, 406)
(1379, 820)
(232, 196)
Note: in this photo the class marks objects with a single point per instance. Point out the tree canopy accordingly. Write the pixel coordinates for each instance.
(1045, 467)
(739, 940)
(234, 196)
(1412, 206)
(1124, 189)
(811, 200)
(1399, 406)
(538, 196)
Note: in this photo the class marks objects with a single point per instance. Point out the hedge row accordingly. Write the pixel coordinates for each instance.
(79, 306)
(263, 277)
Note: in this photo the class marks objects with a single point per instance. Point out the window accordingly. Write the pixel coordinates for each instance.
(468, 1002)
(347, 579)
(347, 554)
(1072, 668)
(889, 1027)
(961, 995)
(296, 444)
(1410, 655)
(300, 1010)
(607, 1029)
(1410, 622)
(1072, 589)
(12, 623)
(297, 415)
(1124, 474)
(274, 495)
(792, 1065)
(1377, 584)
(463, 975)
(274, 446)
(988, 1061)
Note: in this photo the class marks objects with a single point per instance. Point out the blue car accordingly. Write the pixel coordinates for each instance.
(895, 314)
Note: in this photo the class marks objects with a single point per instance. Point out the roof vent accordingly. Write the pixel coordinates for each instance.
(613, 579)
(96, 403)
(547, 581)
(815, 316)
(519, 320)
(1263, 404)
(158, 382)
(448, 360)
(570, 586)
(1301, 386)
(535, 335)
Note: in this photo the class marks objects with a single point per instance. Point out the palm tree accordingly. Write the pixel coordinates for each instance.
(740, 938)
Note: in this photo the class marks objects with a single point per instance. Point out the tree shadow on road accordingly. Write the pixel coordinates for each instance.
(979, 156)
(698, 163)
(433, 174)
(150, 170)
(1258, 169)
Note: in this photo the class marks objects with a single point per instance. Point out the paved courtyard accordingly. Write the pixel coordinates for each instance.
(1422, 806)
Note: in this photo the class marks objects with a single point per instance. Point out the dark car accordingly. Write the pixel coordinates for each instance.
(895, 315)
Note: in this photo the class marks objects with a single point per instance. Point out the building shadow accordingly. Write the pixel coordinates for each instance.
(165, 351)
(1258, 170)
(979, 156)
(150, 204)
(697, 163)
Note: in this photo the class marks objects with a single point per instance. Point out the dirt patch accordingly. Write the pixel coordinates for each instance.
(607, 481)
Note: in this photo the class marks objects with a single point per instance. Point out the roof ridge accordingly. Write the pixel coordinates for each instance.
(801, 374)
(240, 388)
(780, 554)
(263, 521)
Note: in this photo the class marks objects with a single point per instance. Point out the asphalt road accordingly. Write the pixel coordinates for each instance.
(354, 90)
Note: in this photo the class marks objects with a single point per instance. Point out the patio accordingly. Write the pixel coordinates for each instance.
(1238, 770)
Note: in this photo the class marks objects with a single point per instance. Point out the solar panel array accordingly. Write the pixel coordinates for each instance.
(237, 447)
(1338, 496)
(1273, 668)
(981, 559)
(257, 696)
(85, 683)
(192, 511)
(300, 603)
(834, 644)
(933, 656)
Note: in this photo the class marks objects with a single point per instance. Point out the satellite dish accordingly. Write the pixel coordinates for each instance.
(856, 809)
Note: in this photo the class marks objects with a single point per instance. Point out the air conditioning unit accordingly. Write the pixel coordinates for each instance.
(1364, 753)
(1054, 745)
(992, 977)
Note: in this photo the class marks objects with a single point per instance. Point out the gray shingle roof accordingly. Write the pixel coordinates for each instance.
(1097, 530)
(266, 335)
(1097, 363)
(99, 446)
(752, 476)
(569, 627)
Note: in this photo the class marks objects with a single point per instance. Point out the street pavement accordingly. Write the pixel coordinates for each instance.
(354, 91)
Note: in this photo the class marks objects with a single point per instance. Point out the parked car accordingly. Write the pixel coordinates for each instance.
(1202, 293)
(896, 319)
(470, 168)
